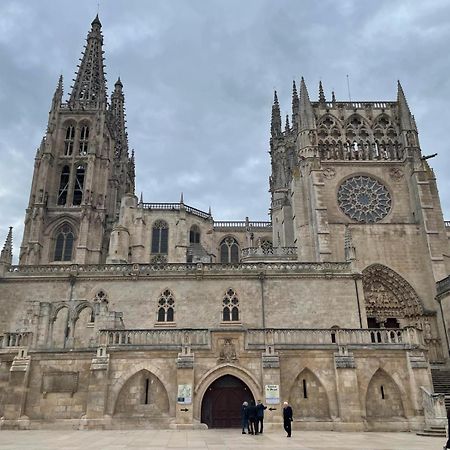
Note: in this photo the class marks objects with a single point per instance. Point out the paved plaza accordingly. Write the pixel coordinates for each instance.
(212, 439)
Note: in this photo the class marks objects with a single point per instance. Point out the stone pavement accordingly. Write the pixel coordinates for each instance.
(211, 439)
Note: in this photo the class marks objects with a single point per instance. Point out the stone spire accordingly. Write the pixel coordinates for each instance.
(57, 96)
(295, 105)
(287, 127)
(6, 254)
(306, 112)
(322, 98)
(276, 117)
(89, 89)
(118, 114)
(406, 119)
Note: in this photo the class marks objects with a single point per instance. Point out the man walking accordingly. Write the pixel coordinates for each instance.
(260, 416)
(252, 422)
(287, 418)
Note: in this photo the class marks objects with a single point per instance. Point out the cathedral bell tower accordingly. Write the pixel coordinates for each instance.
(82, 169)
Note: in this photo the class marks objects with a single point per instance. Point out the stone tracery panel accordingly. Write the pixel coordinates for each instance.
(388, 295)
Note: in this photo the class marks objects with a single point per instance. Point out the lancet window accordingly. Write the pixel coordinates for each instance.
(84, 140)
(63, 186)
(229, 251)
(69, 140)
(230, 306)
(160, 237)
(79, 185)
(64, 243)
(166, 305)
(194, 235)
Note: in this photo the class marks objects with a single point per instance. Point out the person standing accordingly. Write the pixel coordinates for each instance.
(253, 423)
(260, 416)
(244, 417)
(287, 418)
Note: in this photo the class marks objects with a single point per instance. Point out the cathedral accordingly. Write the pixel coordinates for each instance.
(124, 313)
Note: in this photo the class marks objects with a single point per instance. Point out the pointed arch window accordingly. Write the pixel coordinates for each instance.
(194, 235)
(63, 186)
(64, 244)
(166, 306)
(79, 185)
(160, 237)
(69, 140)
(229, 251)
(84, 140)
(230, 306)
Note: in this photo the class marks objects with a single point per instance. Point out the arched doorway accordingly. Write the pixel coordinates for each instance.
(221, 405)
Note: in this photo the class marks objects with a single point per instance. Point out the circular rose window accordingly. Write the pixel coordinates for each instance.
(364, 199)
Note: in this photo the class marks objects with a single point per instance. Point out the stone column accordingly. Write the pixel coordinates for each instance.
(347, 394)
(16, 393)
(271, 378)
(97, 392)
(184, 413)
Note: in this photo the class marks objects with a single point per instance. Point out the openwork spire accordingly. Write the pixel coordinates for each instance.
(57, 96)
(276, 117)
(287, 127)
(89, 89)
(322, 98)
(118, 115)
(6, 254)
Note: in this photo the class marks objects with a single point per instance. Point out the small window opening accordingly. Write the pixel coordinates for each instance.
(147, 388)
(305, 391)
(383, 397)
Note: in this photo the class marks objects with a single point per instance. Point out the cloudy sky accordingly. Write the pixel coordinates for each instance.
(199, 76)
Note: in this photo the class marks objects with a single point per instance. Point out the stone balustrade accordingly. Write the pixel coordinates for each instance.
(16, 339)
(410, 337)
(267, 253)
(433, 408)
(155, 338)
(182, 268)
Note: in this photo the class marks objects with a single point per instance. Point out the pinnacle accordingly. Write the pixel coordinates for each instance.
(275, 98)
(96, 21)
(322, 98)
(6, 253)
(118, 83)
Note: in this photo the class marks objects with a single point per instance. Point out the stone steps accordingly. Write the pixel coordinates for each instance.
(433, 432)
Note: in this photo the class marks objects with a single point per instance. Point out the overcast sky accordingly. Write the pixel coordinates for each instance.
(198, 79)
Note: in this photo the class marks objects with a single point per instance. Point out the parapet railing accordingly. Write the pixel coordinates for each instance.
(443, 285)
(167, 338)
(290, 337)
(176, 207)
(447, 223)
(16, 339)
(242, 224)
(357, 151)
(358, 105)
(269, 252)
(147, 269)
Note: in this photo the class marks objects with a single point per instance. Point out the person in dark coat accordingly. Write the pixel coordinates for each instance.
(260, 416)
(252, 420)
(287, 418)
(244, 417)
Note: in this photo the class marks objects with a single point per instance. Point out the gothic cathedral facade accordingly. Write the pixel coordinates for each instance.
(127, 313)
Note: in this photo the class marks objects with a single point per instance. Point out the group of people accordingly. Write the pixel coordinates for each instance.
(252, 418)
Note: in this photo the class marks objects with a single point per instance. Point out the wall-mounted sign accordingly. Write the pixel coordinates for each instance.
(184, 394)
(272, 394)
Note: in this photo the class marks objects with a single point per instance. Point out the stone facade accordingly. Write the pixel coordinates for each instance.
(125, 313)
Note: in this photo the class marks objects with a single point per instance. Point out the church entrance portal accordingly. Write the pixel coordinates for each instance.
(221, 405)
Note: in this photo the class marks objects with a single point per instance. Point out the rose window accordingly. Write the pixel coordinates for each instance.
(364, 199)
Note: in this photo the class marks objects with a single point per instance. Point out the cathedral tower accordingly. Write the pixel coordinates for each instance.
(82, 168)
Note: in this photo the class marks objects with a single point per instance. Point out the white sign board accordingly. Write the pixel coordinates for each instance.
(184, 394)
(272, 394)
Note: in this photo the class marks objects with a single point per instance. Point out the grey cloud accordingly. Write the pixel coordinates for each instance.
(198, 78)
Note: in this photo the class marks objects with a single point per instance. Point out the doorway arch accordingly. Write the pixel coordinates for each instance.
(222, 401)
